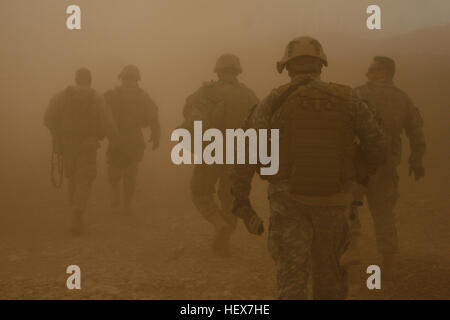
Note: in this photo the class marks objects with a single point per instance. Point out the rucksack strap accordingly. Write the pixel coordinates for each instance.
(293, 87)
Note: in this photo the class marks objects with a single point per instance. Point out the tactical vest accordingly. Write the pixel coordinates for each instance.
(80, 119)
(316, 139)
(229, 105)
(128, 107)
(391, 104)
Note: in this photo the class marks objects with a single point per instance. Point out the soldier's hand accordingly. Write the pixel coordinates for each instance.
(252, 221)
(155, 143)
(419, 172)
(254, 225)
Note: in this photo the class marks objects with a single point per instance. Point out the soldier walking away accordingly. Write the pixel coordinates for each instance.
(133, 110)
(221, 104)
(398, 114)
(77, 120)
(318, 123)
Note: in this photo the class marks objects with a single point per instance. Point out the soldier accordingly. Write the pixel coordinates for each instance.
(221, 104)
(132, 109)
(397, 113)
(77, 120)
(318, 123)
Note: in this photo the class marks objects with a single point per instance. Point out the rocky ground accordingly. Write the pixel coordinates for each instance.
(163, 251)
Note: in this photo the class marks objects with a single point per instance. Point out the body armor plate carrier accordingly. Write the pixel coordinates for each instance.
(316, 139)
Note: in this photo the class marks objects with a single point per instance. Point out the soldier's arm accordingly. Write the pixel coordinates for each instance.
(52, 119)
(51, 116)
(416, 137)
(370, 134)
(253, 98)
(153, 120)
(242, 174)
(197, 105)
(107, 123)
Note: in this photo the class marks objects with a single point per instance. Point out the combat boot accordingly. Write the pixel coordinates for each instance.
(221, 242)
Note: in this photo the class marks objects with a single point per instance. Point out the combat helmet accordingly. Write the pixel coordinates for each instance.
(130, 71)
(228, 61)
(302, 46)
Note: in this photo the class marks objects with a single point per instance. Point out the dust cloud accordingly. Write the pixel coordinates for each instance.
(163, 251)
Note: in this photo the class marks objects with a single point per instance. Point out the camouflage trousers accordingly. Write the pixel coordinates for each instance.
(207, 180)
(308, 238)
(80, 167)
(123, 164)
(382, 195)
(127, 175)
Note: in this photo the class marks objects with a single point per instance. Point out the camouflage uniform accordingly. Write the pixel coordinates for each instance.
(77, 120)
(307, 229)
(132, 109)
(221, 104)
(397, 113)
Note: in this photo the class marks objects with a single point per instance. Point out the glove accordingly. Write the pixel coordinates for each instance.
(252, 221)
(419, 172)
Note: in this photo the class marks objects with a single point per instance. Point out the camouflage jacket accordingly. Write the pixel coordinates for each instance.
(132, 110)
(397, 113)
(219, 104)
(366, 128)
(57, 117)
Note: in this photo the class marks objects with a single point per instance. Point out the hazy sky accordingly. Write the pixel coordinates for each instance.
(166, 36)
(312, 15)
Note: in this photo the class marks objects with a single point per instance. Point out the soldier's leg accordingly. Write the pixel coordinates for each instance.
(222, 240)
(203, 185)
(290, 245)
(69, 171)
(351, 260)
(115, 174)
(226, 198)
(129, 185)
(331, 239)
(381, 197)
(85, 173)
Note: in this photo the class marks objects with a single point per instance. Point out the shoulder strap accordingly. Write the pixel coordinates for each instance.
(286, 93)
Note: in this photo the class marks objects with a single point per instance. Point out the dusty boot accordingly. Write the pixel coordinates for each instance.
(222, 235)
(77, 227)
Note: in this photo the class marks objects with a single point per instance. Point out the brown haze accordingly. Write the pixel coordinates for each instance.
(164, 250)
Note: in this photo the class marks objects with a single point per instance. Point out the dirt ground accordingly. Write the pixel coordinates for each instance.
(163, 250)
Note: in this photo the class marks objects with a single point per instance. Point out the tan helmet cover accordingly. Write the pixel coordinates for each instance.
(226, 61)
(130, 71)
(302, 46)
